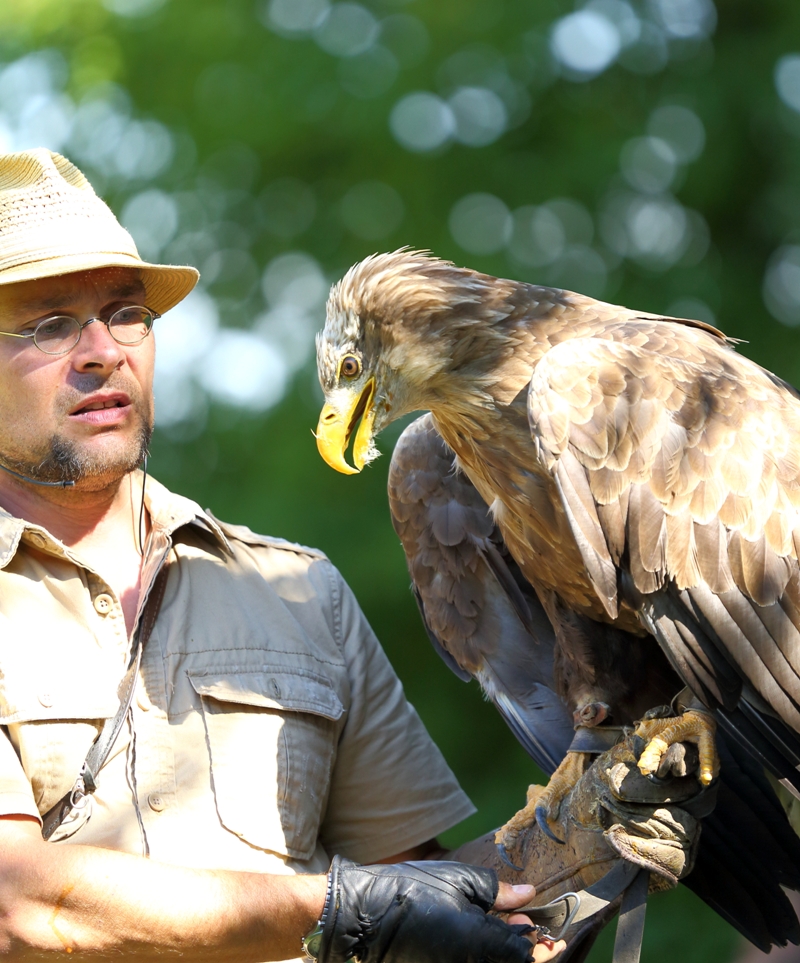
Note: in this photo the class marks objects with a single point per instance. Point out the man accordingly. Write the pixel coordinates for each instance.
(267, 730)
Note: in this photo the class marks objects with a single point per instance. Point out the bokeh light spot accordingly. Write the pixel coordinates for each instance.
(537, 237)
(787, 80)
(686, 19)
(585, 42)
(781, 287)
(133, 8)
(658, 230)
(681, 128)
(151, 217)
(480, 116)
(422, 122)
(294, 16)
(480, 223)
(648, 164)
(244, 370)
(294, 278)
(349, 29)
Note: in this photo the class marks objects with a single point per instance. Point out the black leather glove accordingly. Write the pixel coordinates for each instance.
(427, 912)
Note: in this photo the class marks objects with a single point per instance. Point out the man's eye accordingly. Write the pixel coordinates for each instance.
(54, 328)
(351, 367)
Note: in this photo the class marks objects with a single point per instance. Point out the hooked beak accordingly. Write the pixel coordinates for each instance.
(336, 426)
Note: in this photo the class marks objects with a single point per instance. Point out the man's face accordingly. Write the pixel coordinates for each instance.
(86, 415)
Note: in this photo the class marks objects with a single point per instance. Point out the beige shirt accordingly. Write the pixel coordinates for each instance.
(268, 730)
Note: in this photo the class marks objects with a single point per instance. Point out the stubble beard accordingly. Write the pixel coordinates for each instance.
(65, 460)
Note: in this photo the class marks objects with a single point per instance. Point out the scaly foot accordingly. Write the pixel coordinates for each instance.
(693, 726)
(543, 805)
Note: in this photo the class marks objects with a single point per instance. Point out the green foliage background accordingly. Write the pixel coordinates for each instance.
(247, 106)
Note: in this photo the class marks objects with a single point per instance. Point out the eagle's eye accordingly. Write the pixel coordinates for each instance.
(351, 367)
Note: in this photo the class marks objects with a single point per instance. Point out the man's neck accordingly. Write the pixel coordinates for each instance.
(86, 512)
(100, 525)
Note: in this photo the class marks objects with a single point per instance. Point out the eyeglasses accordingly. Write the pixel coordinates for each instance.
(58, 335)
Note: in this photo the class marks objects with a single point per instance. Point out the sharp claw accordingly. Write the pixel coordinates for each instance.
(502, 852)
(544, 825)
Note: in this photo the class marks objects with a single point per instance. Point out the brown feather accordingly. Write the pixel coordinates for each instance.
(712, 556)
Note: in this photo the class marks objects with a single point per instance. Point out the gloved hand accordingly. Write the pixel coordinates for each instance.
(426, 912)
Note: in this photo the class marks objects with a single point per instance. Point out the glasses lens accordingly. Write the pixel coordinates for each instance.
(57, 335)
(130, 325)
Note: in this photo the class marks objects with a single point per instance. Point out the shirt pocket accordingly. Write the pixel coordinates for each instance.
(52, 726)
(271, 737)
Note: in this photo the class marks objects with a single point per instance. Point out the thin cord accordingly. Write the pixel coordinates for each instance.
(141, 508)
(34, 481)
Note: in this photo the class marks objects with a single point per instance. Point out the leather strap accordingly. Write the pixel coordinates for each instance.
(626, 879)
(630, 926)
(86, 782)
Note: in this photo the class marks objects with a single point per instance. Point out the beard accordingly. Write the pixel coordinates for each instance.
(68, 461)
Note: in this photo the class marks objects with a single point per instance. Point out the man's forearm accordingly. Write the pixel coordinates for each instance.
(63, 898)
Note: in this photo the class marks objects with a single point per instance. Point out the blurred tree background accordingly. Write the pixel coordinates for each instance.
(641, 151)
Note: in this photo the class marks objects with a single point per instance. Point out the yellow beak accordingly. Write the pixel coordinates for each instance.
(336, 426)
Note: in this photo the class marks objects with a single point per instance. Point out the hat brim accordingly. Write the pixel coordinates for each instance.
(165, 284)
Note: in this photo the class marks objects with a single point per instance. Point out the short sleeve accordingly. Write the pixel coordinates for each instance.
(391, 788)
(16, 795)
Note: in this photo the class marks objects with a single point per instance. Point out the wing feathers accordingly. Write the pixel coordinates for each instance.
(757, 570)
(712, 556)
(647, 536)
(585, 525)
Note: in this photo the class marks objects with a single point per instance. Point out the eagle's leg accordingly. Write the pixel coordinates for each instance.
(543, 804)
(695, 726)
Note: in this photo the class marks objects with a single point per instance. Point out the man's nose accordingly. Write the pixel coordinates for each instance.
(96, 348)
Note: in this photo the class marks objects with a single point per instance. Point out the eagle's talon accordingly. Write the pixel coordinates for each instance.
(502, 852)
(659, 712)
(542, 820)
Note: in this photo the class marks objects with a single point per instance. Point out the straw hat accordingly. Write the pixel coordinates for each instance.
(52, 222)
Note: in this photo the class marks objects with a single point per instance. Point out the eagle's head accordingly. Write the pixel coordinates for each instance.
(399, 326)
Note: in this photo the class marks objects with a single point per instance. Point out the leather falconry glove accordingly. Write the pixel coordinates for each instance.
(612, 815)
(425, 912)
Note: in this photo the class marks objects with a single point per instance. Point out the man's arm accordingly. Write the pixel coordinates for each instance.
(56, 899)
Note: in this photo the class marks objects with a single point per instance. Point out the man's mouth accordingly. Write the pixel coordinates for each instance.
(100, 409)
(95, 405)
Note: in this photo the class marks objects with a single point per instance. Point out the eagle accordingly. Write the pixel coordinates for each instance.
(601, 514)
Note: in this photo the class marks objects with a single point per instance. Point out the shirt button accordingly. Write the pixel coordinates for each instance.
(156, 802)
(103, 604)
(46, 699)
(37, 539)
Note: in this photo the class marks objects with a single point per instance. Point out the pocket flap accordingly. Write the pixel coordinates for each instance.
(271, 687)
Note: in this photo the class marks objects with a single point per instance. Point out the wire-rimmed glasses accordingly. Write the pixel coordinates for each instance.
(59, 334)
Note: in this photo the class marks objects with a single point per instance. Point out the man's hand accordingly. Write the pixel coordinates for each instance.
(427, 912)
(512, 897)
